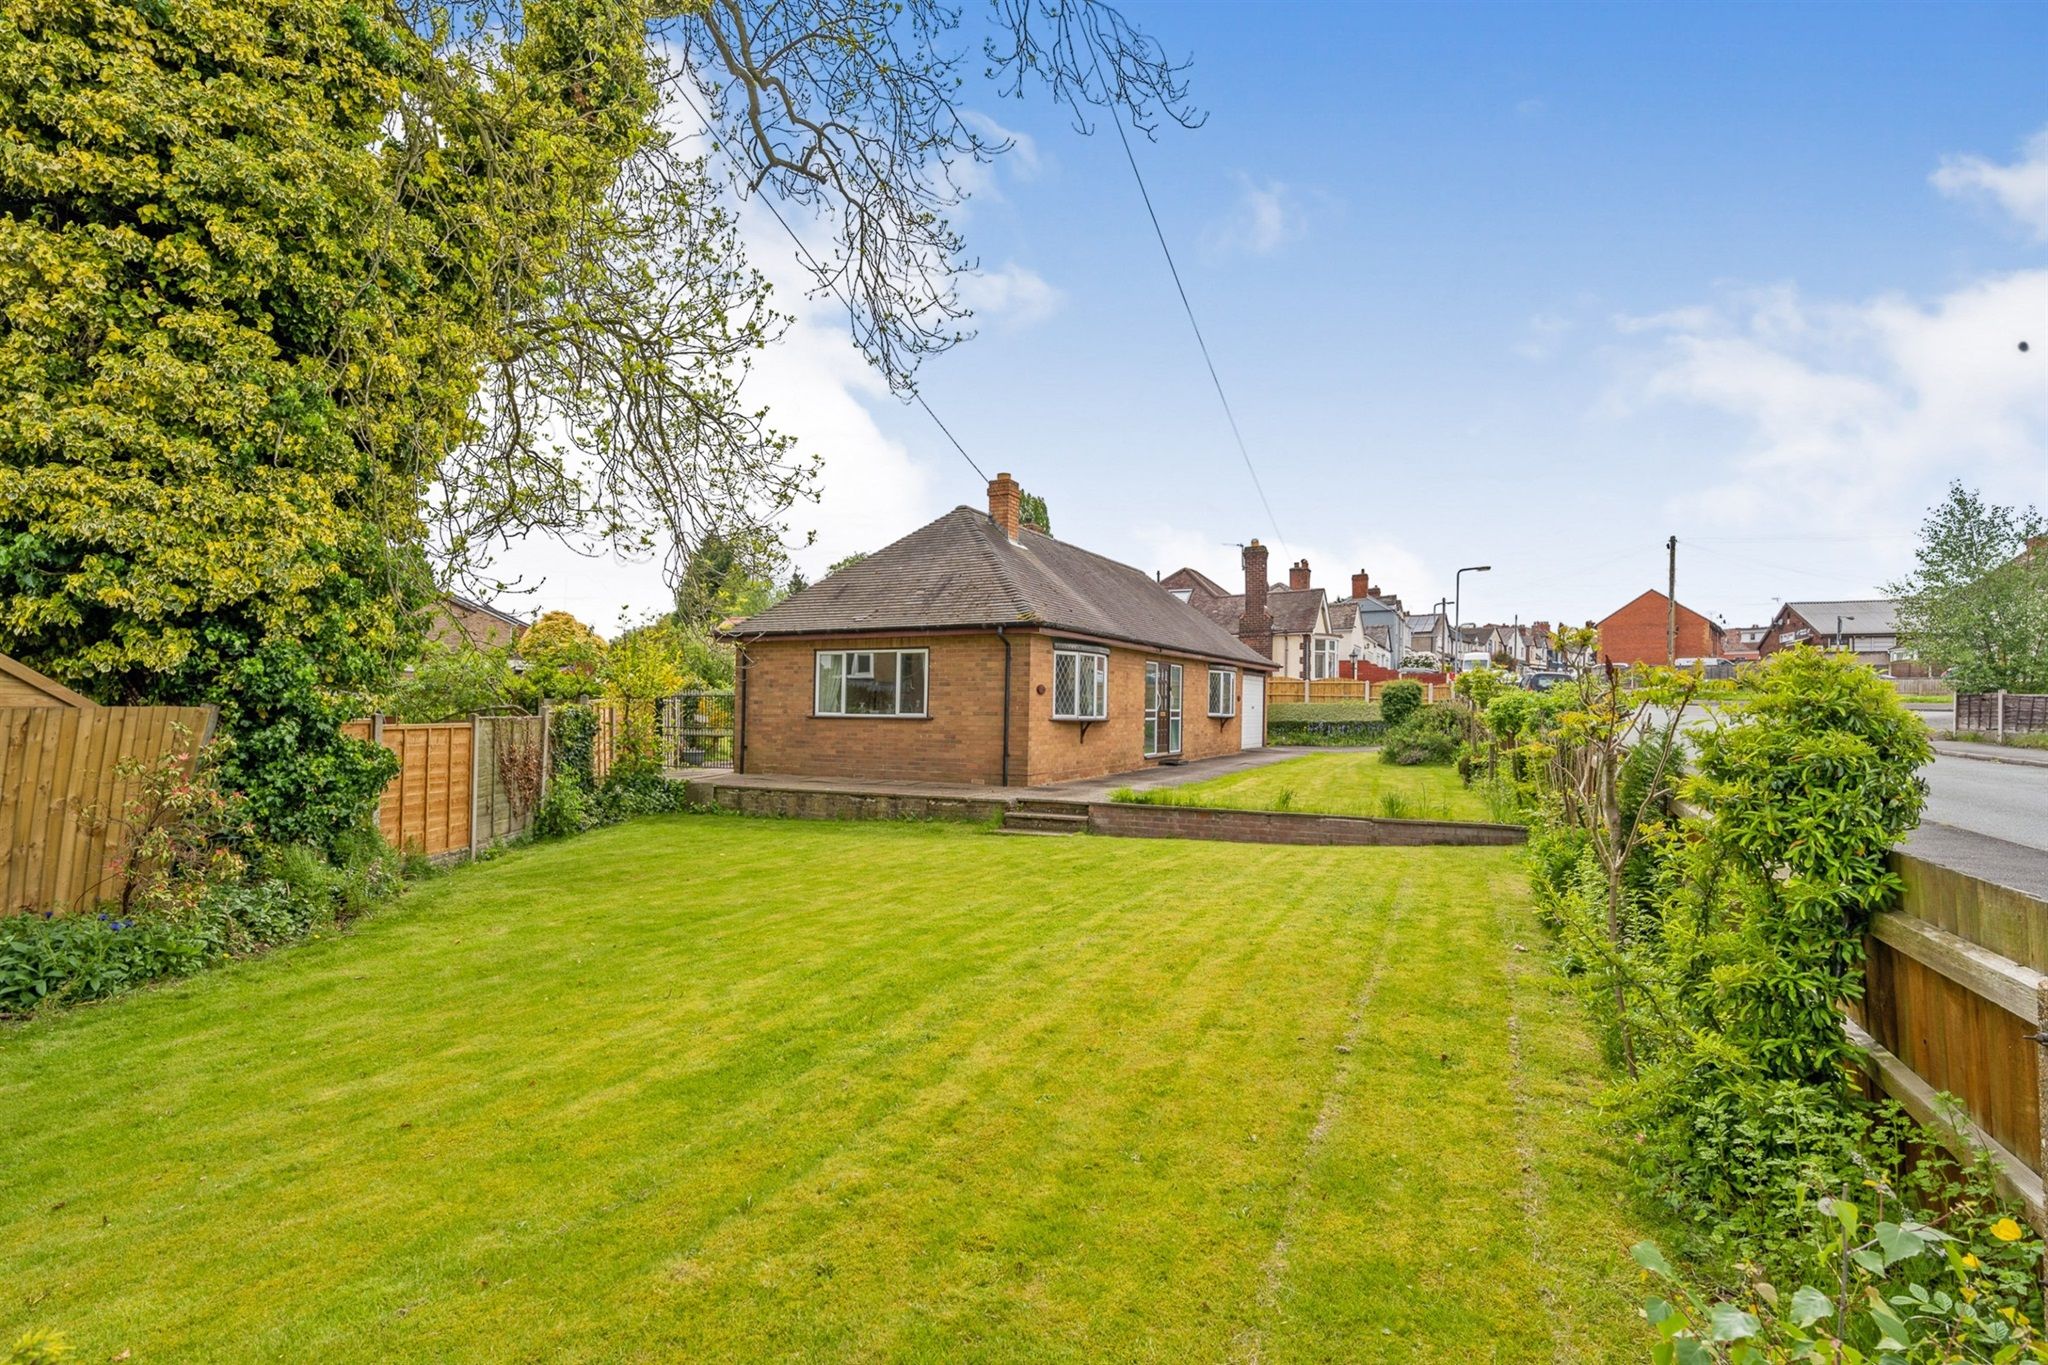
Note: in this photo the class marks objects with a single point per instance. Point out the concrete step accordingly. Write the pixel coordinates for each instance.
(1044, 822)
(1037, 833)
(1041, 805)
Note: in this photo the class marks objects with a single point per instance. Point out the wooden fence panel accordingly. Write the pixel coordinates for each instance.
(1955, 1001)
(65, 826)
(509, 759)
(426, 807)
(2002, 713)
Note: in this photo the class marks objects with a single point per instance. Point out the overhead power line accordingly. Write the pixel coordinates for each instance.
(804, 253)
(1116, 118)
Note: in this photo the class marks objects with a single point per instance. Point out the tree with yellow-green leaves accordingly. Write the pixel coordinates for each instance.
(308, 307)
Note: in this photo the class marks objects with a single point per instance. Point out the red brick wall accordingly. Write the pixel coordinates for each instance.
(960, 740)
(1635, 634)
(1060, 751)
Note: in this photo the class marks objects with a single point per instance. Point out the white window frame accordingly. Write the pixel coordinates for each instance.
(1229, 676)
(846, 674)
(1096, 661)
(1320, 649)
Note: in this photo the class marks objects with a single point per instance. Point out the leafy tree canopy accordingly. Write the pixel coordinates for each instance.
(1976, 602)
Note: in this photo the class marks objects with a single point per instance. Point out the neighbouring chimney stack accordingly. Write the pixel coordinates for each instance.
(1006, 504)
(1297, 575)
(1361, 586)
(1255, 628)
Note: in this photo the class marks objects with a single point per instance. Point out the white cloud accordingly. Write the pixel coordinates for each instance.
(1543, 336)
(2020, 189)
(1265, 218)
(1013, 294)
(1847, 415)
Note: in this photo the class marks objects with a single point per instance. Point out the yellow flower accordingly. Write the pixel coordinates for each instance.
(2006, 1230)
(1969, 1294)
(1970, 1261)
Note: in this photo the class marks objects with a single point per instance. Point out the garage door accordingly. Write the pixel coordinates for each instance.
(1253, 721)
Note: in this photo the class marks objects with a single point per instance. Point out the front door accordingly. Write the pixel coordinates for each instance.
(1251, 719)
(1162, 709)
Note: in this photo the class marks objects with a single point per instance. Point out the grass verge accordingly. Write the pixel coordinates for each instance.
(1332, 784)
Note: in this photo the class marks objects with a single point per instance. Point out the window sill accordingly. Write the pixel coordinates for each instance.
(848, 715)
(1079, 720)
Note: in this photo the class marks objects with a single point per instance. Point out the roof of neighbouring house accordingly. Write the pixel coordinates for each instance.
(1381, 633)
(1294, 610)
(962, 571)
(1343, 615)
(1863, 616)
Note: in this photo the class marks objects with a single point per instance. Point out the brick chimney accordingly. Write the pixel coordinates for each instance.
(1005, 504)
(1361, 586)
(1255, 628)
(1297, 575)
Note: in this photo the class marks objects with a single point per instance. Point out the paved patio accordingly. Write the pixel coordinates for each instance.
(1088, 790)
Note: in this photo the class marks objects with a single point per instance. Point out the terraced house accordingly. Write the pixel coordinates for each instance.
(979, 650)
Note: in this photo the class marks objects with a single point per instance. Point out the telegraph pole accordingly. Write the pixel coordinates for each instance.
(1671, 602)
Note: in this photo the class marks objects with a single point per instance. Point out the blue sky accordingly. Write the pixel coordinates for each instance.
(1525, 285)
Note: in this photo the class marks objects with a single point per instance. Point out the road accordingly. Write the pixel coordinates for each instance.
(2004, 800)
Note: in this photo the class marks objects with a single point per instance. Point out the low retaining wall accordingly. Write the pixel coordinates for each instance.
(795, 804)
(1135, 820)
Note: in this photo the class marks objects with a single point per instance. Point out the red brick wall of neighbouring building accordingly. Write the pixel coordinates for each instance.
(1635, 634)
(961, 737)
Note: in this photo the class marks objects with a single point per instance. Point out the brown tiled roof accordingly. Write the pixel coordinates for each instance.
(1293, 609)
(1343, 615)
(961, 570)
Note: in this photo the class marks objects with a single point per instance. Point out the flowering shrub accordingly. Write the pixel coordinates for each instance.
(177, 826)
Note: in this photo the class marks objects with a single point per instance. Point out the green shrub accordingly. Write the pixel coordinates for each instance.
(561, 811)
(51, 959)
(1431, 735)
(636, 788)
(572, 733)
(1719, 950)
(1890, 1287)
(1399, 700)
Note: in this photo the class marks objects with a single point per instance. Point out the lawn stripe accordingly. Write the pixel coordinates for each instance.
(1335, 1095)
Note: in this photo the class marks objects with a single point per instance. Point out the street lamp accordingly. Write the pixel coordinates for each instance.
(1458, 609)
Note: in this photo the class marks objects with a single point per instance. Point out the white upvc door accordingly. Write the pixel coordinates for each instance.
(1252, 714)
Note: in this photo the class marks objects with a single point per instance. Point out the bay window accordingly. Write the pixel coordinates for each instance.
(1322, 657)
(871, 682)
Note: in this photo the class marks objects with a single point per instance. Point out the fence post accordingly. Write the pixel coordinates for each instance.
(377, 738)
(476, 753)
(2000, 714)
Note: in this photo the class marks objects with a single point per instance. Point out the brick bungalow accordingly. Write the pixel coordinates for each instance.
(1635, 634)
(979, 650)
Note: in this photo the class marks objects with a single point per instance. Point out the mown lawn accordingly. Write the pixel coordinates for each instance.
(1336, 784)
(709, 1088)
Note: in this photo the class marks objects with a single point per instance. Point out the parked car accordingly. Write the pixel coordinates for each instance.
(1542, 680)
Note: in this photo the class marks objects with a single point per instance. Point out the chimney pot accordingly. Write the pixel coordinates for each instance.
(1006, 504)
(1297, 575)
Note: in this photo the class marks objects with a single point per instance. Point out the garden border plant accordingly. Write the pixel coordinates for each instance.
(1715, 918)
